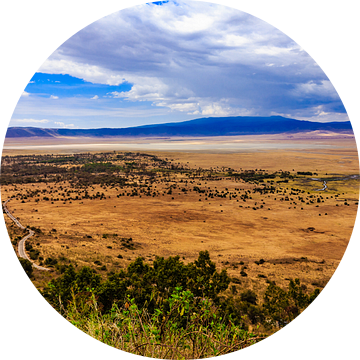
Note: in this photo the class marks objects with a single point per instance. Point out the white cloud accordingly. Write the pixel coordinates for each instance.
(323, 88)
(60, 123)
(188, 107)
(149, 89)
(54, 97)
(91, 73)
(223, 109)
(95, 97)
(214, 109)
(25, 94)
(320, 114)
(190, 56)
(275, 113)
(149, 47)
(43, 121)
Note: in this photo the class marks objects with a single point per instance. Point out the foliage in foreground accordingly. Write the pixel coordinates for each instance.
(151, 286)
(148, 285)
(187, 330)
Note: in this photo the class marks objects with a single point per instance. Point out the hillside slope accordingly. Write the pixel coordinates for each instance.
(218, 126)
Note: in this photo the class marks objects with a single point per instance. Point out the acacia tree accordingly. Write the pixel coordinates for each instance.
(204, 279)
(281, 307)
(60, 291)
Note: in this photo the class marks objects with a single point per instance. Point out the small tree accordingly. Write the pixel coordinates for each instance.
(282, 306)
(275, 303)
(204, 280)
(59, 291)
(249, 296)
(296, 293)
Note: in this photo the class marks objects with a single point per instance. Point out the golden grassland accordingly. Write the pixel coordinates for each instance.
(296, 239)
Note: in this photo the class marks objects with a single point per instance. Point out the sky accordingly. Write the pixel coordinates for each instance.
(174, 61)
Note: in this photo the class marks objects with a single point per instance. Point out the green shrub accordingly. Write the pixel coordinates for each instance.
(186, 329)
(34, 254)
(249, 296)
(50, 261)
(282, 306)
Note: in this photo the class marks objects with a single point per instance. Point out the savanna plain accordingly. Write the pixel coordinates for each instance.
(241, 239)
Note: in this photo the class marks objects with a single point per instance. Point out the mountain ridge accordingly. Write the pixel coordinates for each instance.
(211, 126)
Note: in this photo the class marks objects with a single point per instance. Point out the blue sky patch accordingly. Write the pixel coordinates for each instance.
(69, 86)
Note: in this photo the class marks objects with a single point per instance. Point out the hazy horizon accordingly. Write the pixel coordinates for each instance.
(170, 122)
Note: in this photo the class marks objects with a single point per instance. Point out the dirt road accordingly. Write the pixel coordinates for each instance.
(21, 245)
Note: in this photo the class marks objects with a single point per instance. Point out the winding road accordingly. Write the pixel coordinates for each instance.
(21, 245)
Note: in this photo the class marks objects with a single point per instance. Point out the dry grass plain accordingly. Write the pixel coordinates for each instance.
(294, 237)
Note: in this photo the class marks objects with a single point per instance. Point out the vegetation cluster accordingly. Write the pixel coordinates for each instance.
(163, 307)
(77, 177)
(174, 306)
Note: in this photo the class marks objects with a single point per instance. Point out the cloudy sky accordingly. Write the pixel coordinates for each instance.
(175, 61)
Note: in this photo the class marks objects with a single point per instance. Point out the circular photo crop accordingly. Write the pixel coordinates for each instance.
(179, 180)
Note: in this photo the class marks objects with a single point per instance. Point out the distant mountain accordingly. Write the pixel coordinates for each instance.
(215, 126)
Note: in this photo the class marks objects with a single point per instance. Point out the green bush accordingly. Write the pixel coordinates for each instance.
(249, 296)
(281, 307)
(50, 261)
(186, 329)
(59, 291)
(149, 285)
(34, 254)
